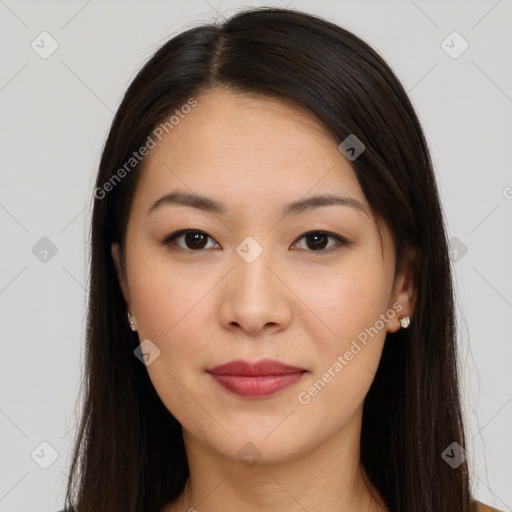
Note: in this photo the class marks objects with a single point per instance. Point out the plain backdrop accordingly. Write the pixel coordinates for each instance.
(56, 110)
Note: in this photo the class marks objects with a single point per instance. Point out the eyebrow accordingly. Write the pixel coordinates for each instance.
(211, 205)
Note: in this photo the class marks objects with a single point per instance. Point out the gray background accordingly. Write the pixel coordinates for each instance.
(55, 114)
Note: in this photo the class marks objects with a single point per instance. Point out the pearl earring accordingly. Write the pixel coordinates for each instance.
(405, 321)
(133, 323)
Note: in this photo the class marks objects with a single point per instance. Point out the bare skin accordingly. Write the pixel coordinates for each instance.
(304, 307)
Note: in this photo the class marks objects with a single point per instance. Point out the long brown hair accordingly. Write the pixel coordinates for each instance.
(129, 454)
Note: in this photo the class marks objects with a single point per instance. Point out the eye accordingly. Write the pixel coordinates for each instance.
(318, 240)
(194, 240)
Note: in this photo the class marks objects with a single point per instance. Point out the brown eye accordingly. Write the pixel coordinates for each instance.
(318, 240)
(193, 240)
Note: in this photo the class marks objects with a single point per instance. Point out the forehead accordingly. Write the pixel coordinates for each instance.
(245, 148)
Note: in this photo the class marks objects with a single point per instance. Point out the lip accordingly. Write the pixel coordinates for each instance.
(262, 367)
(256, 379)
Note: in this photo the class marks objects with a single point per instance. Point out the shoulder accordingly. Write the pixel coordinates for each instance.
(481, 507)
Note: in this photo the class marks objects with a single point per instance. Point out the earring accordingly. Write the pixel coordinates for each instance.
(133, 323)
(405, 321)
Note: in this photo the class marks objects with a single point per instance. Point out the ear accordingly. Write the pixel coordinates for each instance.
(120, 274)
(404, 291)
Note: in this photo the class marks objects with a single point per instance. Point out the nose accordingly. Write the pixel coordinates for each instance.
(254, 295)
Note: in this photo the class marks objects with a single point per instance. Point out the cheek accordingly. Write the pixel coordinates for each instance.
(345, 363)
(350, 304)
(163, 294)
(173, 308)
(359, 333)
(347, 300)
(166, 302)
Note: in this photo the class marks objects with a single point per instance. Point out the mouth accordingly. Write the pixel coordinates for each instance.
(256, 379)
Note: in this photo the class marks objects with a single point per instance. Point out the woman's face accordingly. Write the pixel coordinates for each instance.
(253, 286)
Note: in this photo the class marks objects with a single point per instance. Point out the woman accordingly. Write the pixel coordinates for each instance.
(267, 219)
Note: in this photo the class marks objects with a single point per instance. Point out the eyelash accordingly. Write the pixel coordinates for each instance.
(341, 241)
